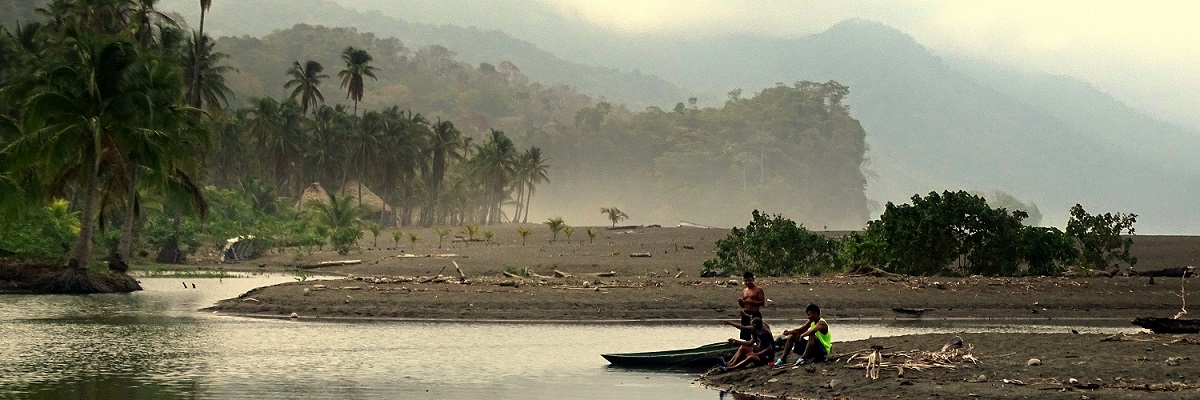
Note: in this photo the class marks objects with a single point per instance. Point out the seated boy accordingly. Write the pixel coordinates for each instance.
(814, 338)
(753, 353)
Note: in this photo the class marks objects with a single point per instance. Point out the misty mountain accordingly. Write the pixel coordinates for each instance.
(471, 45)
(932, 123)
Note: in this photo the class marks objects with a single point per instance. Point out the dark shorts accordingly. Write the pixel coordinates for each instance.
(817, 353)
(746, 319)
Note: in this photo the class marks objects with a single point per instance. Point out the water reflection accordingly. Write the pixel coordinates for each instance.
(154, 345)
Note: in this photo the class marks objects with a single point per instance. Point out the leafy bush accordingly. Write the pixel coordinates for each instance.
(345, 239)
(47, 232)
(951, 233)
(773, 246)
(1100, 240)
(1047, 251)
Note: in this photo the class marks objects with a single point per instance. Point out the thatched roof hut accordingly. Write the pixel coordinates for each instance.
(314, 192)
(370, 200)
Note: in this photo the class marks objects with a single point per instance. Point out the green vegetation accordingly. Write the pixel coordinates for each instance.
(441, 232)
(1100, 240)
(952, 233)
(160, 272)
(614, 214)
(556, 225)
(772, 246)
(591, 232)
(524, 232)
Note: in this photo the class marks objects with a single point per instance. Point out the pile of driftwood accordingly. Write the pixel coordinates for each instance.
(951, 356)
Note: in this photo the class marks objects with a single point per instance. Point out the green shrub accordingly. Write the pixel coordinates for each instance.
(773, 246)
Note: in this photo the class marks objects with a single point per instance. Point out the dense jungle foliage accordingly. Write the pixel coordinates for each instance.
(952, 233)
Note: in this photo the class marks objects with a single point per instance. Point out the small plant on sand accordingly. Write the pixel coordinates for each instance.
(413, 238)
(442, 233)
(375, 229)
(488, 235)
(556, 225)
(301, 275)
(396, 236)
(591, 232)
(524, 231)
(614, 214)
(521, 272)
(472, 230)
(568, 230)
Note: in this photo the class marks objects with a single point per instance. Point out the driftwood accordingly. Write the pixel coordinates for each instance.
(912, 311)
(639, 254)
(1168, 325)
(512, 275)
(435, 277)
(560, 274)
(331, 264)
(1180, 272)
(461, 276)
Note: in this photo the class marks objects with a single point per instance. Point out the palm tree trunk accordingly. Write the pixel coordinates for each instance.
(527, 197)
(125, 248)
(196, 67)
(81, 251)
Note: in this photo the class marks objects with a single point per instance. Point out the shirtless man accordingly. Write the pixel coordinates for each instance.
(751, 301)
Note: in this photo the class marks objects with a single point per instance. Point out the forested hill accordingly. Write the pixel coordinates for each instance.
(791, 149)
(468, 44)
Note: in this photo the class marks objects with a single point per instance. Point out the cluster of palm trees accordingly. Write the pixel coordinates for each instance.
(428, 171)
(116, 108)
(94, 104)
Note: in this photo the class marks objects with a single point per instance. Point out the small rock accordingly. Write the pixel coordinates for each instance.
(1033, 362)
(1072, 381)
(1173, 361)
(834, 383)
(981, 378)
(294, 315)
(772, 380)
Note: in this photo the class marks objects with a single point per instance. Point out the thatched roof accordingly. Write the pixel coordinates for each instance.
(314, 192)
(370, 200)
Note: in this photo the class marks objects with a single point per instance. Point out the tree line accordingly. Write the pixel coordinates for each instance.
(940, 234)
(116, 108)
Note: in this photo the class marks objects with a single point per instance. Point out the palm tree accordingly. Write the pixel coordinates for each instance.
(532, 170)
(306, 78)
(358, 65)
(445, 143)
(342, 218)
(199, 46)
(614, 214)
(208, 89)
(556, 225)
(495, 166)
(98, 104)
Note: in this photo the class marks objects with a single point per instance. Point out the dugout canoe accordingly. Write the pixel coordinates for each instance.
(1168, 325)
(703, 356)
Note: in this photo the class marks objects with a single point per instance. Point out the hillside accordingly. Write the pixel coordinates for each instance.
(469, 45)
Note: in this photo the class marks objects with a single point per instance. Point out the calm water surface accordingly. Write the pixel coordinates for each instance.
(154, 345)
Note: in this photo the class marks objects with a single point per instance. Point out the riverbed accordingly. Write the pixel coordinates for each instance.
(153, 344)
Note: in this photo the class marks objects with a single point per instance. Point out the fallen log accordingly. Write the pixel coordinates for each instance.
(1179, 272)
(560, 274)
(331, 264)
(639, 254)
(1168, 325)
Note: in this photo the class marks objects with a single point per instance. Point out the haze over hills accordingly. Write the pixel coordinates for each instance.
(932, 123)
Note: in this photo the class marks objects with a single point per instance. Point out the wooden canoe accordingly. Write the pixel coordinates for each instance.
(703, 356)
(1168, 325)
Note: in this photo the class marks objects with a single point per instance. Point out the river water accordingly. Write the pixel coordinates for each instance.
(153, 344)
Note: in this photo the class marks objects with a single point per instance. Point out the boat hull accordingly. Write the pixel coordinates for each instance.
(703, 356)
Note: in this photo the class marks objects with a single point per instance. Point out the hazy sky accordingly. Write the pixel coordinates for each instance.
(1146, 53)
